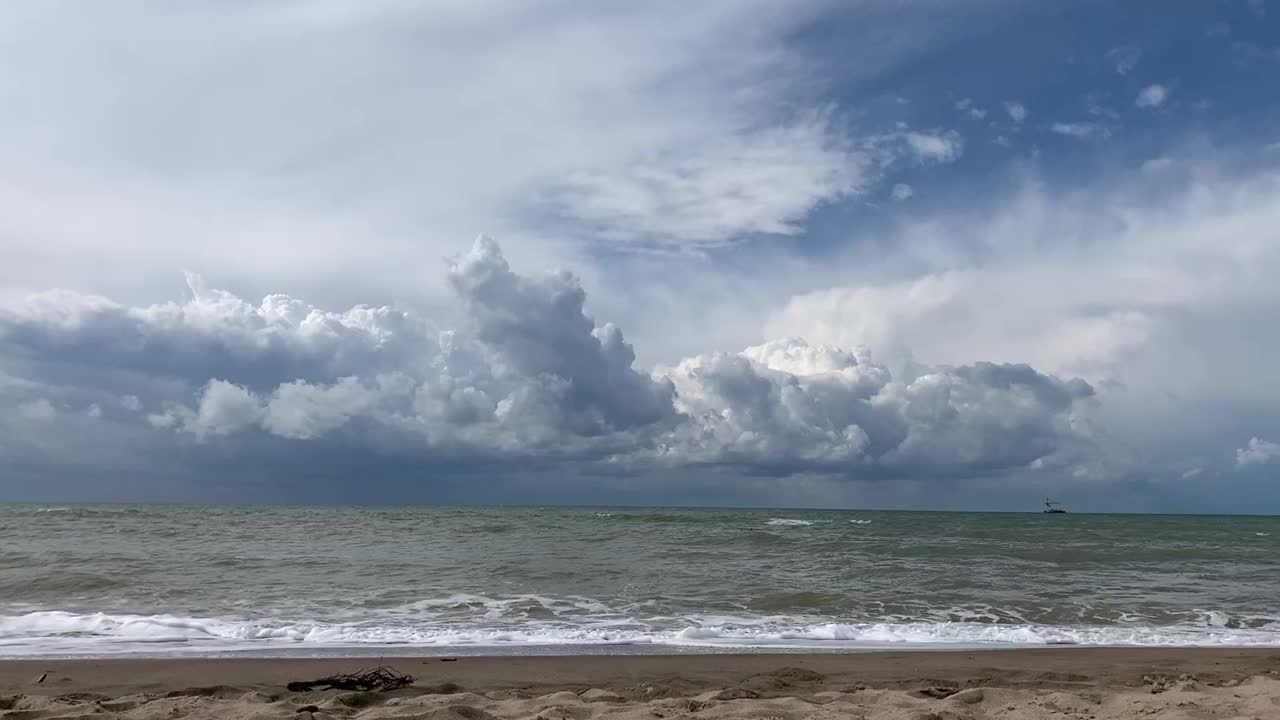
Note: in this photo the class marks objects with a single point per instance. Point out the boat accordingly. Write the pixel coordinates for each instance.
(1051, 506)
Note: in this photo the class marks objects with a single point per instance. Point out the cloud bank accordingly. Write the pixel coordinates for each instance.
(528, 376)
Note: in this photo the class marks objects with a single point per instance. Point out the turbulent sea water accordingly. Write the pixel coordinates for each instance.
(201, 580)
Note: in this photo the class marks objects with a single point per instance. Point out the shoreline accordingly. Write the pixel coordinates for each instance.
(414, 653)
(1090, 682)
(1106, 665)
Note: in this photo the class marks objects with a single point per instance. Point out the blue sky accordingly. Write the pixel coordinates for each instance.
(884, 254)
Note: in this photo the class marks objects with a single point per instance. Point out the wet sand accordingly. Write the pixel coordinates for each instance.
(1085, 683)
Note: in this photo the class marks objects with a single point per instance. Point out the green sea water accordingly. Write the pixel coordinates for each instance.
(103, 580)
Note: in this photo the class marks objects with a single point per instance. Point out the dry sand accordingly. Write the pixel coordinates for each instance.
(1089, 684)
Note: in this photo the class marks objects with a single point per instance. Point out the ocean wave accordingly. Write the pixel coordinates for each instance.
(675, 518)
(67, 583)
(55, 633)
(789, 522)
(490, 528)
(962, 634)
(861, 522)
(87, 511)
(509, 608)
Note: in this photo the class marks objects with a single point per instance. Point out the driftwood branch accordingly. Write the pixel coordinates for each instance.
(380, 679)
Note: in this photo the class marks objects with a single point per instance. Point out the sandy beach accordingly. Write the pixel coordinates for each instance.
(1090, 684)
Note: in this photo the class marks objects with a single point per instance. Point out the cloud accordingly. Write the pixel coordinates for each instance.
(790, 405)
(966, 106)
(1094, 102)
(765, 182)
(1257, 452)
(1148, 299)
(1139, 274)
(528, 376)
(370, 136)
(302, 411)
(934, 147)
(535, 328)
(37, 411)
(211, 332)
(223, 408)
(1125, 59)
(698, 175)
(1152, 96)
(1080, 130)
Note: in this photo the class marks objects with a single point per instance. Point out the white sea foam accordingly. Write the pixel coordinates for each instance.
(934, 634)
(861, 522)
(509, 608)
(53, 633)
(788, 521)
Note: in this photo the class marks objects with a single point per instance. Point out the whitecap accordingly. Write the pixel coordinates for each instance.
(883, 635)
(860, 522)
(52, 633)
(788, 522)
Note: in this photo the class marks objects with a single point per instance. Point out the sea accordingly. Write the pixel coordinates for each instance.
(93, 581)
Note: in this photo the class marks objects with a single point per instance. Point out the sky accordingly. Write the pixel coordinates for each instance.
(914, 254)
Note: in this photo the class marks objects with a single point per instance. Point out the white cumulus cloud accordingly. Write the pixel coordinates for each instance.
(1257, 452)
(527, 375)
(935, 147)
(1152, 96)
(1153, 303)
(212, 331)
(1016, 110)
(796, 405)
(967, 106)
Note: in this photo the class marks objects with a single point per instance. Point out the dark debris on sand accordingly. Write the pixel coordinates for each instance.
(380, 679)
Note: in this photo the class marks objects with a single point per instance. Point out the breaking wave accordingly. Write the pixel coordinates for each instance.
(574, 622)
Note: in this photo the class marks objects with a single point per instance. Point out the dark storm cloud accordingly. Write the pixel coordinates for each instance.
(529, 380)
